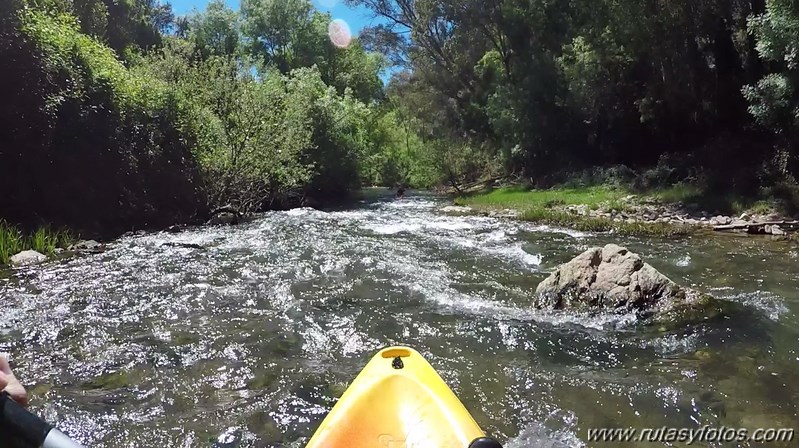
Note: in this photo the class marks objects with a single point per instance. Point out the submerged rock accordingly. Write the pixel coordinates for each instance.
(182, 245)
(27, 257)
(225, 215)
(174, 229)
(613, 279)
(224, 218)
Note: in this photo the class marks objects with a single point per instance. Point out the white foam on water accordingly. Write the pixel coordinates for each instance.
(535, 228)
(772, 306)
(354, 215)
(672, 343)
(411, 203)
(343, 337)
(496, 236)
(535, 435)
(516, 251)
(601, 321)
(449, 224)
(304, 211)
(393, 229)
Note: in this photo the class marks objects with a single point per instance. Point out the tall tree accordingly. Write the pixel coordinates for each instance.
(277, 29)
(215, 31)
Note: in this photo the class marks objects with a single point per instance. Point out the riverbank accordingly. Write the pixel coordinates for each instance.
(44, 241)
(678, 210)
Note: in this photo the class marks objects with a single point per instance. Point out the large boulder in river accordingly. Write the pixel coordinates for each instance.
(613, 279)
(27, 257)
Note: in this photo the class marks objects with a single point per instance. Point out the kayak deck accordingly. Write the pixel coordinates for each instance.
(397, 401)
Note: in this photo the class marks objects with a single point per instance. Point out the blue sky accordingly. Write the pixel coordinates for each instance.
(356, 18)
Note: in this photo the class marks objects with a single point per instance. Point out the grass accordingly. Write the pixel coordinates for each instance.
(780, 199)
(11, 241)
(522, 198)
(541, 206)
(44, 240)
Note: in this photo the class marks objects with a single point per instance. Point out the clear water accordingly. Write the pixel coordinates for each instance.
(248, 341)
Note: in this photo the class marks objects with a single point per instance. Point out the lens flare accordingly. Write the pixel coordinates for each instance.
(340, 34)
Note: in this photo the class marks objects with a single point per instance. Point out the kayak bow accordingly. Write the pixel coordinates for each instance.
(399, 401)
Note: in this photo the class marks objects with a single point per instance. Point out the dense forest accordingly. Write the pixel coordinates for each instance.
(117, 114)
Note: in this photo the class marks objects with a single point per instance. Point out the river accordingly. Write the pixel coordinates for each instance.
(244, 336)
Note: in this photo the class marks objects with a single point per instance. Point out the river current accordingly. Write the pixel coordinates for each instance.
(245, 336)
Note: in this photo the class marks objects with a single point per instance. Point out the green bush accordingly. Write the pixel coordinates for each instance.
(106, 146)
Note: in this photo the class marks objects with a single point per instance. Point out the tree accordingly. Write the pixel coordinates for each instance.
(215, 31)
(276, 29)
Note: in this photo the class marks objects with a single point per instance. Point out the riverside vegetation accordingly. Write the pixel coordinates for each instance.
(121, 115)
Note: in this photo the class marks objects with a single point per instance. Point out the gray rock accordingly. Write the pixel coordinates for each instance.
(777, 230)
(456, 209)
(86, 245)
(611, 278)
(720, 220)
(744, 217)
(27, 257)
(504, 214)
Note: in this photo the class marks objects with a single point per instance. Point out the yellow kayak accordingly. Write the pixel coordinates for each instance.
(399, 401)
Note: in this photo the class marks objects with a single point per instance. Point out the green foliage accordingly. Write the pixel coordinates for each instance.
(258, 108)
(127, 26)
(522, 198)
(264, 139)
(187, 125)
(93, 130)
(545, 87)
(11, 241)
(774, 99)
(215, 31)
(43, 240)
(279, 31)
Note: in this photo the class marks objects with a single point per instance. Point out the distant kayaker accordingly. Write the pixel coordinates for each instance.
(10, 384)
